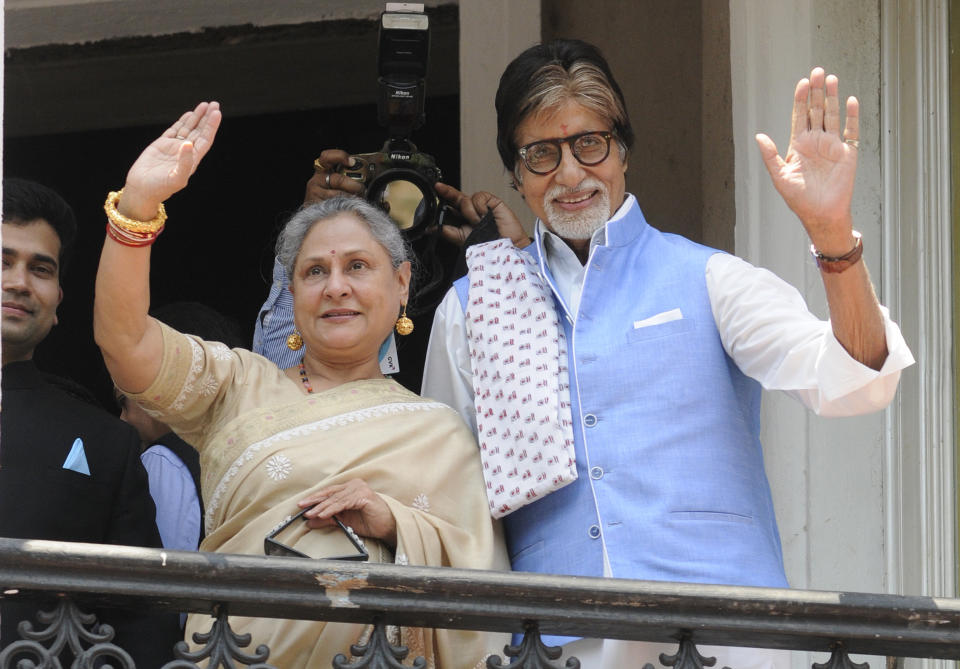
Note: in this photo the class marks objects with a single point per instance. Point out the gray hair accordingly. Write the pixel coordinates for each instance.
(543, 77)
(383, 229)
(583, 83)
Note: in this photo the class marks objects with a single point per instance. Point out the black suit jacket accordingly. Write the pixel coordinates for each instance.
(39, 499)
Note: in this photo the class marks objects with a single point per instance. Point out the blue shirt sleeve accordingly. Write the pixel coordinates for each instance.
(175, 496)
(275, 323)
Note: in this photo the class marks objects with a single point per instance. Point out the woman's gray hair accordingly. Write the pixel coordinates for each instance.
(381, 227)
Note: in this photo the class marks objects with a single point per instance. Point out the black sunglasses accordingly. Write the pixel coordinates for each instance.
(544, 156)
(271, 546)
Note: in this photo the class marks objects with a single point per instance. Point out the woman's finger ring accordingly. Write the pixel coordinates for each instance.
(327, 180)
(855, 143)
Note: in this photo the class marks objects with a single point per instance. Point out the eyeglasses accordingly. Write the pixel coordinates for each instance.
(271, 546)
(544, 156)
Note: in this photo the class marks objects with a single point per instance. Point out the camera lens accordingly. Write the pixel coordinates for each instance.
(407, 197)
(403, 202)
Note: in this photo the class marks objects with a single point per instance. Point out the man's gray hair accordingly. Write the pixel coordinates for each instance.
(545, 76)
(585, 84)
(383, 229)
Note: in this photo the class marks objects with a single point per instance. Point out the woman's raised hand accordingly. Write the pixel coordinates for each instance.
(165, 166)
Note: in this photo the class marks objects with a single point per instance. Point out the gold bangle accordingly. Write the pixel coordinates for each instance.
(129, 224)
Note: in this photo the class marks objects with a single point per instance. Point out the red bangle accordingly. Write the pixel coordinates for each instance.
(132, 239)
(840, 263)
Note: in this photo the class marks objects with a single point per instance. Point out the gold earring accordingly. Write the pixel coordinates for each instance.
(404, 325)
(295, 341)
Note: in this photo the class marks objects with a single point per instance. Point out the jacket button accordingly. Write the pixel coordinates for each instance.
(596, 473)
(589, 420)
(594, 532)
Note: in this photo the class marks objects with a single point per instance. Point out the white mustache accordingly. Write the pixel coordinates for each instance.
(557, 191)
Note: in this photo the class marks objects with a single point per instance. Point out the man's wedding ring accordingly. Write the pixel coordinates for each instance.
(326, 180)
(855, 143)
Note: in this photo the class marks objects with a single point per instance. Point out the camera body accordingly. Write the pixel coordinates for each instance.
(369, 167)
(399, 178)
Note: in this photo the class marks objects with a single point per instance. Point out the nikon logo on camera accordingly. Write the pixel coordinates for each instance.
(400, 156)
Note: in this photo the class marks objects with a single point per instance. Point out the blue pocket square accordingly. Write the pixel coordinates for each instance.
(77, 460)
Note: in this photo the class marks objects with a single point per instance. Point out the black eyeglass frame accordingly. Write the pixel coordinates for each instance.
(271, 546)
(558, 142)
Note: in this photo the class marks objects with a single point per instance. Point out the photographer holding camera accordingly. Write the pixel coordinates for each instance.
(406, 184)
(329, 180)
(274, 323)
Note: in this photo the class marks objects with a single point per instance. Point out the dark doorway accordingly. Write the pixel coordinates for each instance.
(217, 247)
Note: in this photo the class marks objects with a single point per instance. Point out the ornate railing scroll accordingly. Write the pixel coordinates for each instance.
(828, 622)
(65, 629)
(220, 647)
(532, 653)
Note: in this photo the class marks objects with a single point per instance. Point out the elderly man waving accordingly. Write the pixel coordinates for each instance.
(613, 372)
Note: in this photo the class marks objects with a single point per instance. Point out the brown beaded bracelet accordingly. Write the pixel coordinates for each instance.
(840, 263)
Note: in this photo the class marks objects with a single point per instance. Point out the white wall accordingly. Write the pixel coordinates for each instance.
(865, 504)
(921, 455)
(492, 33)
(825, 473)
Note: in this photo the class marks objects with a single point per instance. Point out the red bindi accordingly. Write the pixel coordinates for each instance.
(333, 253)
(563, 128)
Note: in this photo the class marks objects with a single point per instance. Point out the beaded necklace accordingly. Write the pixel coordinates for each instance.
(305, 380)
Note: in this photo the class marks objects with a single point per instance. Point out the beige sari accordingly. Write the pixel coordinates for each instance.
(264, 445)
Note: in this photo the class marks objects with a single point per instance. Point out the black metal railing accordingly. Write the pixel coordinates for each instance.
(93, 575)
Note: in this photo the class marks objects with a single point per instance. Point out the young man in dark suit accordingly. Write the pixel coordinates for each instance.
(68, 471)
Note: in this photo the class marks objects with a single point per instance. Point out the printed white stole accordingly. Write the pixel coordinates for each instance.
(518, 355)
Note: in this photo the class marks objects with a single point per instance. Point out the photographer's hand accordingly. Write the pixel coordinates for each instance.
(472, 208)
(326, 183)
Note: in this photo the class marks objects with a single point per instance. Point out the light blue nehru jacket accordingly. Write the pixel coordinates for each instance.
(671, 475)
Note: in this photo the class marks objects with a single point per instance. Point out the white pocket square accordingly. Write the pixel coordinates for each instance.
(664, 317)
